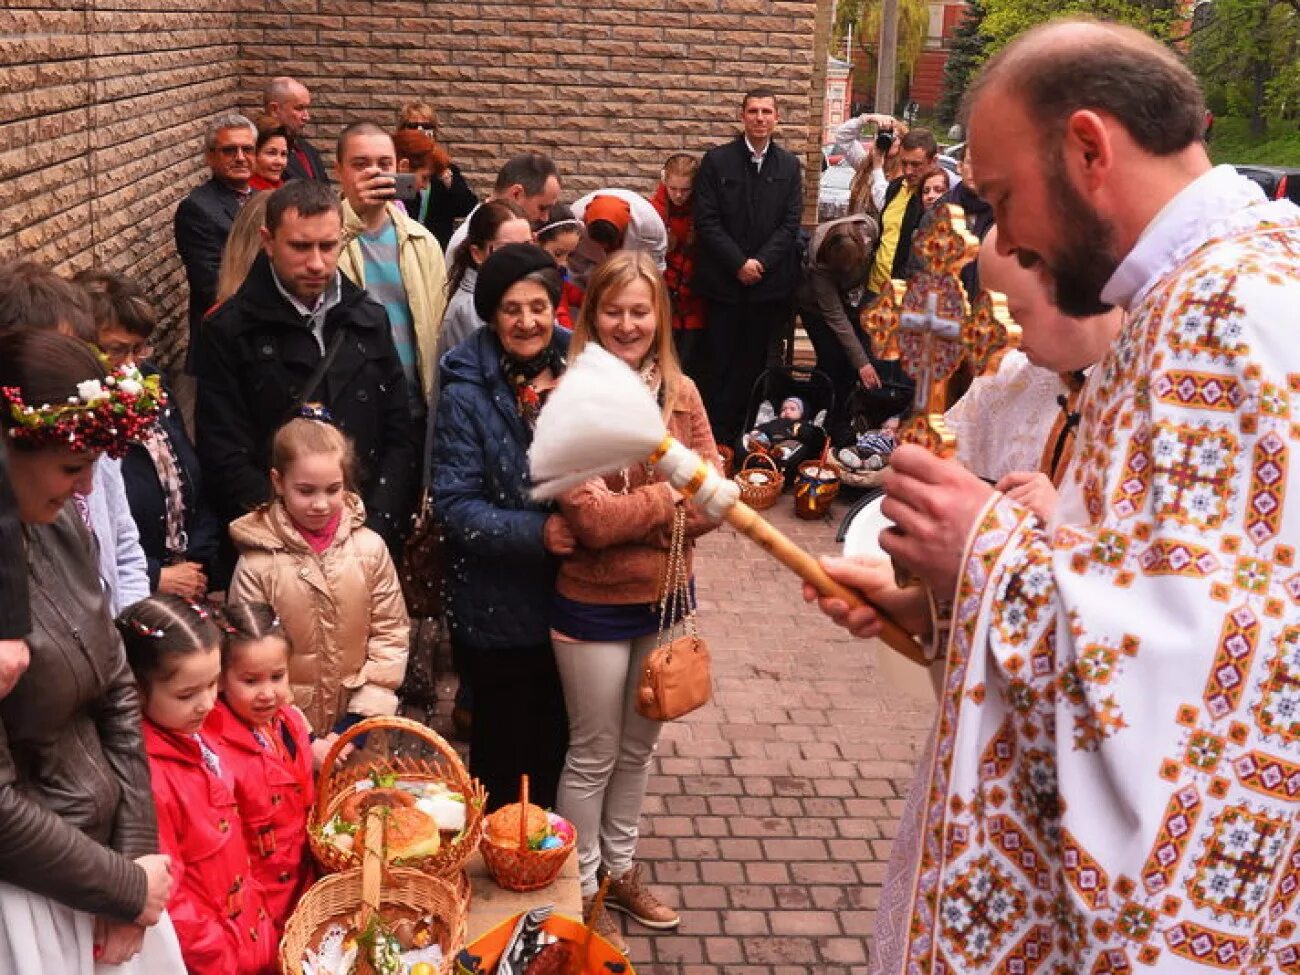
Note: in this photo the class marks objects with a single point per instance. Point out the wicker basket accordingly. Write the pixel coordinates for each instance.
(728, 456)
(524, 869)
(352, 896)
(860, 479)
(760, 480)
(814, 492)
(336, 783)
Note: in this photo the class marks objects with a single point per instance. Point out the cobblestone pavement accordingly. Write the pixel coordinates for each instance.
(770, 812)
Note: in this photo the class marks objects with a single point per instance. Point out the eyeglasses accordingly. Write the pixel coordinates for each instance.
(230, 152)
(422, 126)
(138, 350)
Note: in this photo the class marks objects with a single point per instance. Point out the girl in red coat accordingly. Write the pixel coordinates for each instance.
(174, 649)
(673, 200)
(267, 743)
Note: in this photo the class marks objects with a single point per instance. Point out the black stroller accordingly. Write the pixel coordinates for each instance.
(774, 386)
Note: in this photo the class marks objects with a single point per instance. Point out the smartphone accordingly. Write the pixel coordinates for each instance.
(404, 187)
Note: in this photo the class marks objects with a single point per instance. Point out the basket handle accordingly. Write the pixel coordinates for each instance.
(384, 723)
(372, 865)
(757, 456)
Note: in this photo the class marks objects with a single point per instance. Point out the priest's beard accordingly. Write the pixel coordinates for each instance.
(1080, 268)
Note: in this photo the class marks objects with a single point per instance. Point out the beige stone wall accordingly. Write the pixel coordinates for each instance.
(103, 101)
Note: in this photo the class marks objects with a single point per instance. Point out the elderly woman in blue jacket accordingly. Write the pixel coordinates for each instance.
(501, 545)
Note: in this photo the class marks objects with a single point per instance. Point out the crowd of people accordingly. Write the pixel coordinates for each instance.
(199, 617)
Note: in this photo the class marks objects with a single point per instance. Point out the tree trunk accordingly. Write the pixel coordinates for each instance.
(887, 59)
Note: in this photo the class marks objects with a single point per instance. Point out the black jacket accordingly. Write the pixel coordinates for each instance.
(911, 221)
(294, 170)
(15, 611)
(447, 204)
(252, 358)
(144, 492)
(741, 214)
(202, 224)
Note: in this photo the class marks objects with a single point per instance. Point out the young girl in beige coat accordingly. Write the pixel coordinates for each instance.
(309, 554)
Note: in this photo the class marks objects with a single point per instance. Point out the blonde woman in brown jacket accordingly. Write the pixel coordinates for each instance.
(605, 620)
(309, 554)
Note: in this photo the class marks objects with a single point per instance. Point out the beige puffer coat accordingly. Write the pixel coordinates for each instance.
(342, 610)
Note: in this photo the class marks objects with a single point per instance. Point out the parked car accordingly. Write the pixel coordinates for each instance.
(833, 194)
(1277, 182)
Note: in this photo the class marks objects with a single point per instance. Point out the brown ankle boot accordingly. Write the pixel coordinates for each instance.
(630, 895)
(605, 925)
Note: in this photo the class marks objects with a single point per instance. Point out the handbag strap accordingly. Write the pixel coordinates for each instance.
(674, 603)
(322, 367)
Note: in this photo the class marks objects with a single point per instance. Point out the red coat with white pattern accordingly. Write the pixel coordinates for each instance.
(216, 905)
(274, 791)
(688, 307)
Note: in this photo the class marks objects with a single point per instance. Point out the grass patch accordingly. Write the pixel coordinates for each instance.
(1231, 142)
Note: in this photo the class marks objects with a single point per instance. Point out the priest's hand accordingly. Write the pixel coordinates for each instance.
(933, 504)
(874, 579)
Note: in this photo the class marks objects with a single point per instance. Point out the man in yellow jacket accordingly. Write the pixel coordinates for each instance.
(391, 255)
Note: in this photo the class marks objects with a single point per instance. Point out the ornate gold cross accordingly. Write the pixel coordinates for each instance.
(930, 326)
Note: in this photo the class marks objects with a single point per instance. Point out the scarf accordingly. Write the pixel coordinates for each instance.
(520, 374)
(159, 448)
(319, 541)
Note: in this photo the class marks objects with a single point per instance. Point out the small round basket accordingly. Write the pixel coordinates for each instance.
(815, 488)
(351, 897)
(523, 869)
(860, 479)
(410, 752)
(760, 481)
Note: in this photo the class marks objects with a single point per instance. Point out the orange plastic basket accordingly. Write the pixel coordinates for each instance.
(602, 958)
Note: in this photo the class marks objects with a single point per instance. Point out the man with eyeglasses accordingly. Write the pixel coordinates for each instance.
(203, 219)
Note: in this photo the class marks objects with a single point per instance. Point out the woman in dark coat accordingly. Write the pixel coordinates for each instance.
(179, 532)
(502, 545)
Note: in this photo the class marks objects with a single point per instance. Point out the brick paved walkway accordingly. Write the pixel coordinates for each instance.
(770, 813)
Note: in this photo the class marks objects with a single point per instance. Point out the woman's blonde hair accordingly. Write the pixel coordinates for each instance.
(304, 437)
(242, 246)
(617, 272)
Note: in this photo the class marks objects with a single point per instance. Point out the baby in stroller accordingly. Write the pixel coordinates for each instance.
(786, 437)
(871, 449)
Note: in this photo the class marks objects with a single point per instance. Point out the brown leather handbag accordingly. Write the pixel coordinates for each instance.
(676, 678)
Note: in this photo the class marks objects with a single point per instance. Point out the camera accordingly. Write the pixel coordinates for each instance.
(884, 140)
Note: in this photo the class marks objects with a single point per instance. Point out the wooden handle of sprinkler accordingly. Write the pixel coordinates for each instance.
(748, 521)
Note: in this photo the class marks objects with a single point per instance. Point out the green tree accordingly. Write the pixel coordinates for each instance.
(1244, 52)
(966, 53)
(864, 16)
(1007, 18)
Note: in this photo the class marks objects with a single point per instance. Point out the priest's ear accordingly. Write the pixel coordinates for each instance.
(1088, 147)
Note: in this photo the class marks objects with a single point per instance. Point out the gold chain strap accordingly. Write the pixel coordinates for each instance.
(674, 603)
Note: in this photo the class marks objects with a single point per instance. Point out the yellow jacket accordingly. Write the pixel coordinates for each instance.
(342, 610)
(424, 274)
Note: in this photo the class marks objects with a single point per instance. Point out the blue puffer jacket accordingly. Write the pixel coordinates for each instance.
(500, 580)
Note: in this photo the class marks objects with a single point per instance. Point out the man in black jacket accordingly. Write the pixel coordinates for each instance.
(748, 198)
(260, 356)
(290, 102)
(203, 219)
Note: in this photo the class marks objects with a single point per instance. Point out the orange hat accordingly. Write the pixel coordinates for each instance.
(611, 209)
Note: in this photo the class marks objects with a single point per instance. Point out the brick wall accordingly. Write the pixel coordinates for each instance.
(103, 101)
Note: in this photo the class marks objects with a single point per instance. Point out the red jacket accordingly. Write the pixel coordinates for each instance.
(216, 904)
(570, 301)
(274, 792)
(688, 309)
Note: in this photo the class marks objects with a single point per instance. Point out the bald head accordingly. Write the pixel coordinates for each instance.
(288, 101)
(1084, 65)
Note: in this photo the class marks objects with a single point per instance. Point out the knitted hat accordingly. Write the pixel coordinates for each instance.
(503, 268)
(612, 209)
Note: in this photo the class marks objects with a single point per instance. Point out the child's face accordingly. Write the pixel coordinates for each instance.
(935, 187)
(255, 684)
(183, 693)
(791, 410)
(514, 231)
(625, 322)
(890, 425)
(312, 489)
(561, 246)
(679, 189)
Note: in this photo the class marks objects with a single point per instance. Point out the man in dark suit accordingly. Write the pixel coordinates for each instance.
(748, 199)
(290, 102)
(203, 219)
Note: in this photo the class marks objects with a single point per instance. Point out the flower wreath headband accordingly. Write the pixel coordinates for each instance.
(107, 416)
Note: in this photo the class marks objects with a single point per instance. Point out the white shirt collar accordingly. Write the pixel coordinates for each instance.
(326, 300)
(754, 155)
(1196, 214)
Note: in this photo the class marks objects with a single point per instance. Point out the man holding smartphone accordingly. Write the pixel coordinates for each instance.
(395, 258)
